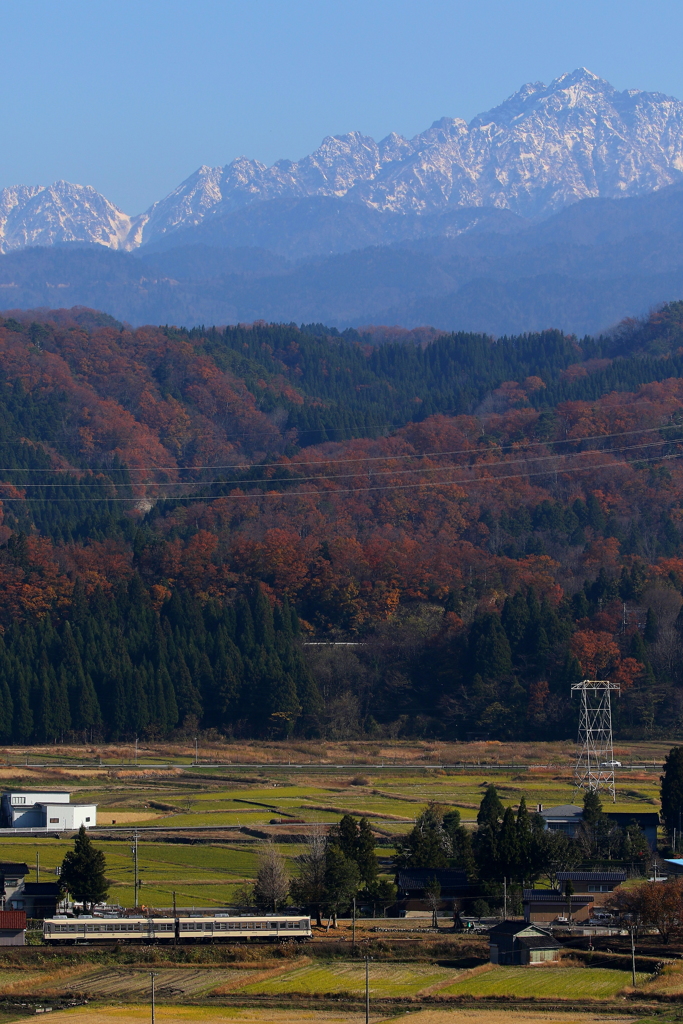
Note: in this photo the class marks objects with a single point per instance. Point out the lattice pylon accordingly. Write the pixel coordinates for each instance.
(594, 769)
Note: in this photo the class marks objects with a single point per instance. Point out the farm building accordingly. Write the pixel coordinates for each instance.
(12, 928)
(45, 809)
(541, 906)
(568, 817)
(596, 884)
(518, 943)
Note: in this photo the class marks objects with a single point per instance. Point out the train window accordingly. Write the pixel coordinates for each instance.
(72, 927)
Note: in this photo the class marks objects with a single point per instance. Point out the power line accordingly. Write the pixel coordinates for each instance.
(327, 493)
(375, 458)
(325, 462)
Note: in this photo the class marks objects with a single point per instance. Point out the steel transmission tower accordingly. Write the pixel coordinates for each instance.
(594, 767)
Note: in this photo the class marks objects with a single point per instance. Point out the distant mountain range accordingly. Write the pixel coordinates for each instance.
(543, 148)
(563, 206)
(583, 269)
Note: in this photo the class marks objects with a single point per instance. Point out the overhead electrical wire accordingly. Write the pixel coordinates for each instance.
(379, 472)
(142, 499)
(325, 462)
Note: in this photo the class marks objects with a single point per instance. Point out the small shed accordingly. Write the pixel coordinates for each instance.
(12, 928)
(518, 943)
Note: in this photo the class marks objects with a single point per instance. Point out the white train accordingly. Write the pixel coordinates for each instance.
(221, 928)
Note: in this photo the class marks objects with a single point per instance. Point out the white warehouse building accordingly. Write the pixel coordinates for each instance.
(47, 809)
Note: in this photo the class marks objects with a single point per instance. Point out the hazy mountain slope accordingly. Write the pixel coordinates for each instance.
(583, 269)
(320, 225)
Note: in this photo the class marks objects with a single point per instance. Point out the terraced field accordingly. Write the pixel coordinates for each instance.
(544, 983)
(207, 873)
(386, 980)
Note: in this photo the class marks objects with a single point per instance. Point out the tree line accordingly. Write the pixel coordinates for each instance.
(119, 667)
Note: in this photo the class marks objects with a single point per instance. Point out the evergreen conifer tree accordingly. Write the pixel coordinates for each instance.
(83, 870)
(491, 810)
(671, 789)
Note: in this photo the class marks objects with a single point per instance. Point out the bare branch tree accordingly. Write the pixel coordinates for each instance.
(272, 879)
(308, 889)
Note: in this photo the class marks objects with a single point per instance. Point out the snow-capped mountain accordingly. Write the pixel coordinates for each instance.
(62, 212)
(542, 149)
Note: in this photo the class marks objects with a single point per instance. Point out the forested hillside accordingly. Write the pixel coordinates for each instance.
(189, 518)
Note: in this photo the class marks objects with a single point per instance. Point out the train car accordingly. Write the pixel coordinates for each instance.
(221, 928)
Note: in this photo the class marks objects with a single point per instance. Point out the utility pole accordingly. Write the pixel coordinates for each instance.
(37, 866)
(353, 940)
(135, 864)
(196, 750)
(136, 750)
(367, 989)
(505, 899)
(633, 954)
(152, 976)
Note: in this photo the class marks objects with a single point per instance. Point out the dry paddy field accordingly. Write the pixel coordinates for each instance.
(305, 978)
(139, 1014)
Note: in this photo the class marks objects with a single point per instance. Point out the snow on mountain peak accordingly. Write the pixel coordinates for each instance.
(542, 148)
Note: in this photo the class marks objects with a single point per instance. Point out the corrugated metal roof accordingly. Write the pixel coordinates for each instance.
(12, 920)
(514, 927)
(591, 876)
(554, 896)
(563, 811)
(41, 889)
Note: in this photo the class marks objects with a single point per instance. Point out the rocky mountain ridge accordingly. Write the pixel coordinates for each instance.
(542, 149)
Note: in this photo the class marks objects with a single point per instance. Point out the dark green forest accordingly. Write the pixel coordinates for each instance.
(269, 530)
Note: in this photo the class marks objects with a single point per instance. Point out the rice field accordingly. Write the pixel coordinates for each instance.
(274, 978)
(386, 980)
(206, 874)
(133, 1013)
(544, 983)
(139, 1014)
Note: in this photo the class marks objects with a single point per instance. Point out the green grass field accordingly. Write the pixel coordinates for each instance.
(386, 980)
(206, 874)
(544, 983)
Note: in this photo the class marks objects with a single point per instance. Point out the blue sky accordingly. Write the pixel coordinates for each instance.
(131, 96)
